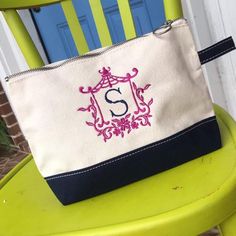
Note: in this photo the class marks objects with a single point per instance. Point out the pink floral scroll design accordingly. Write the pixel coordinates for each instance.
(125, 124)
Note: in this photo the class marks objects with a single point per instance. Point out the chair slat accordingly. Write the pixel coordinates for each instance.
(75, 27)
(24, 4)
(127, 19)
(100, 21)
(173, 9)
(23, 39)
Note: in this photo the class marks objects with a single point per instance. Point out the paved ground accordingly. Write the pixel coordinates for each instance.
(10, 158)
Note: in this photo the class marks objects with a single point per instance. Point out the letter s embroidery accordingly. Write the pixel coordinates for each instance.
(115, 102)
(127, 122)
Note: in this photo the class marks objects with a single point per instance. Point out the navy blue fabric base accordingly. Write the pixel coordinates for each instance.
(199, 139)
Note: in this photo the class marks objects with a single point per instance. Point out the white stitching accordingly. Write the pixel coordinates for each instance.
(118, 159)
(219, 54)
(131, 154)
(213, 46)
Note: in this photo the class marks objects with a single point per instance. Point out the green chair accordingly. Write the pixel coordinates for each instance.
(186, 200)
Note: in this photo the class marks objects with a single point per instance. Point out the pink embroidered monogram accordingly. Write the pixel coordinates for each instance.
(127, 122)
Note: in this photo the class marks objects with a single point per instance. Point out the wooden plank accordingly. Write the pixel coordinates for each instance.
(100, 22)
(127, 19)
(21, 4)
(173, 9)
(23, 39)
(75, 27)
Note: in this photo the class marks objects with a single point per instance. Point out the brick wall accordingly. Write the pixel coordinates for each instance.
(11, 123)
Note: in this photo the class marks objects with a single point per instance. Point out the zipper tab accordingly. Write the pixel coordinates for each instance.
(164, 28)
(167, 26)
(168, 23)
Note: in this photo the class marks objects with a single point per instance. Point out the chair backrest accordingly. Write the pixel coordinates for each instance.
(172, 8)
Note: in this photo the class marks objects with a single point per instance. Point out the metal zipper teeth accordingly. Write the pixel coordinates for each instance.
(46, 68)
(167, 25)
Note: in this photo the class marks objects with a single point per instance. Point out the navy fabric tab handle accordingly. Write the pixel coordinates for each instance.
(216, 50)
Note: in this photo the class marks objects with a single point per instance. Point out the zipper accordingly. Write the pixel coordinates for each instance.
(166, 27)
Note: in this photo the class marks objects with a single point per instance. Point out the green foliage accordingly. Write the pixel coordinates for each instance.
(4, 138)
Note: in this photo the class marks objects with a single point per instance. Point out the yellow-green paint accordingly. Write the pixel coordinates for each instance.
(100, 22)
(127, 19)
(17, 168)
(23, 39)
(21, 4)
(165, 204)
(228, 227)
(173, 9)
(75, 27)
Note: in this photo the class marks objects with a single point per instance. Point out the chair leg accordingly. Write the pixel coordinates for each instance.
(228, 227)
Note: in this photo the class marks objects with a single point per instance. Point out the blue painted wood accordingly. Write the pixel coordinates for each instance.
(148, 15)
(56, 35)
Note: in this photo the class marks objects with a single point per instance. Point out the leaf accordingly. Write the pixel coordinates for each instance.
(93, 108)
(147, 86)
(134, 85)
(82, 109)
(150, 102)
(115, 120)
(89, 123)
(91, 100)
(106, 122)
(128, 116)
(139, 91)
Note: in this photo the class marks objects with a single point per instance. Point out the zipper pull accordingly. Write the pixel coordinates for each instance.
(167, 24)
(7, 78)
(164, 28)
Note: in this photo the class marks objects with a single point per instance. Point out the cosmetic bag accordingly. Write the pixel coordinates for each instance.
(116, 115)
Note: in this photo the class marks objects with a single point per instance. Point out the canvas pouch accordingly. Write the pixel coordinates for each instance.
(114, 116)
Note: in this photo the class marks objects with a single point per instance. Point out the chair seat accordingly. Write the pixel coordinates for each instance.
(185, 200)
